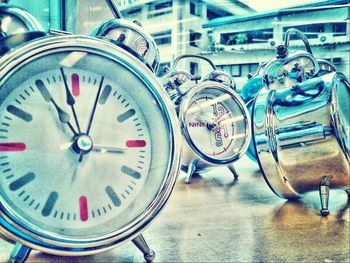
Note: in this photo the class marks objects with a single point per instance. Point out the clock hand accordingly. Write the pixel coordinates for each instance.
(92, 114)
(94, 108)
(70, 99)
(62, 115)
(210, 124)
(104, 149)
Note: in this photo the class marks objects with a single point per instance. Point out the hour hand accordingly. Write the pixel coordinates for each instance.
(62, 115)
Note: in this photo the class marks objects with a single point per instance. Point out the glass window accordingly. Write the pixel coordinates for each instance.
(194, 38)
(162, 38)
(194, 68)
(195, 8)
(159, 8)
(246, 37)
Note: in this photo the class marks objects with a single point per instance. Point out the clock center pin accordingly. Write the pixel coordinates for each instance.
(82, 143)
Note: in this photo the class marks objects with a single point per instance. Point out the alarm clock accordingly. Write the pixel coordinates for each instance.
(301, 137)
(214, 121)
(89, 147)
(16, 27)
(290, 68)
(131, 37)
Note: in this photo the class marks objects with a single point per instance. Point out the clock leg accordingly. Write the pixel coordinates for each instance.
(190, 170)
(348, 193)
(324, 195)
(19, 254)
(141, 244)
(233, 171)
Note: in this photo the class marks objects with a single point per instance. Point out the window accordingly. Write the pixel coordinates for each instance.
(246, 37)
(162, 38)
(239, 70)
(233, 70)
(195, 9)
(311, 31)
(194, 38)
(158, 9)
(194, 68)
(134, 11)
(339, 29)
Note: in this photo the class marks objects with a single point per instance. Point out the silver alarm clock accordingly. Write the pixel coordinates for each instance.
(89, 153)
(301, 137)
(290, 68)
(214, 121)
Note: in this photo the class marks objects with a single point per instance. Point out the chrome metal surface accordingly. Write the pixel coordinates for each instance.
(301, 134)
(325, 67)
(30, 235)
(131, 37)
(300, 35)
(290, 68)
(14, 20)
(17, 27)
(141, 244)
(222, 76)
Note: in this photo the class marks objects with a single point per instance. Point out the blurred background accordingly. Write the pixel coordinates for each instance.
(236, 35)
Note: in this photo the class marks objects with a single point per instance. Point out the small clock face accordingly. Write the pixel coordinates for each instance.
(88, 176)
(297, 71)
(216, 124)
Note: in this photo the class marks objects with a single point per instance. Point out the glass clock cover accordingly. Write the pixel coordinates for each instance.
(292, 70)
(215, 122)
(88, 153)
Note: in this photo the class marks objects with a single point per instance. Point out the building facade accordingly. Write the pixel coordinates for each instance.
(176, 25)
(240, 43)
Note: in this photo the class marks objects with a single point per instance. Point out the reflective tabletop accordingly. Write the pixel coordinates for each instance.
(216, 219)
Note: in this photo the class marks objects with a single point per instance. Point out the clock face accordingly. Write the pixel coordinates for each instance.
(84, 168)
(297, 70)
(216, 124)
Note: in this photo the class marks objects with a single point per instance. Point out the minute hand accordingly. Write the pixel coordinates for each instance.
(94, 108)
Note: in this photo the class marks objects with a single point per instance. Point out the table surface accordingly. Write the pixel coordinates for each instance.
(218, 219)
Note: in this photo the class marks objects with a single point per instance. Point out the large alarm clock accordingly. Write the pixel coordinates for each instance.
(301, 137)
(214, 121)
(290, 68)
(17, 26)
(89, 147)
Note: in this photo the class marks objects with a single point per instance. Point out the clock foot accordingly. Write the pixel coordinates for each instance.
(19, 254)
(324, 195)
(190, 170)
(141, 244)
(233, 171)
(348, 193)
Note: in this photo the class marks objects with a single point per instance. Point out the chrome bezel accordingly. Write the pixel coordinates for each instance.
(28, 234)
(272, 68)
(215, 76)
(151, 57)
(185, 105)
